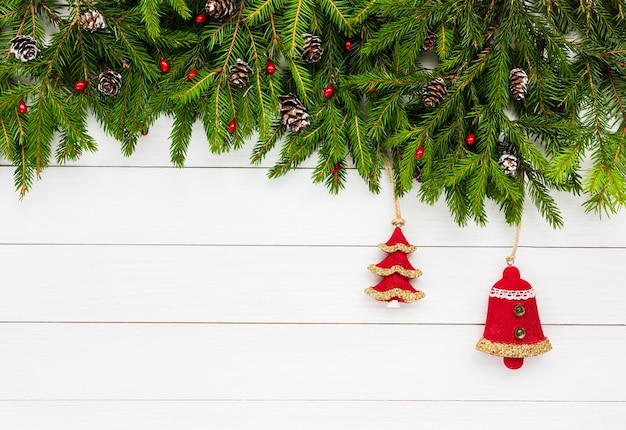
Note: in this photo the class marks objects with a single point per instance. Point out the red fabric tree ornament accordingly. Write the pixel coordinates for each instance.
(396, 271)
(513, 329)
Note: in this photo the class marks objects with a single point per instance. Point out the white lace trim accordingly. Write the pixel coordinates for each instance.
(512, 294)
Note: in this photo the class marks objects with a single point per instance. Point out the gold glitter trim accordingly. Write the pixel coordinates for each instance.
(385, 296)
(407, 273)
(512, 350)
(407, 249)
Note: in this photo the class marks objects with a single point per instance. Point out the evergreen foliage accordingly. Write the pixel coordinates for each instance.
(566, 125)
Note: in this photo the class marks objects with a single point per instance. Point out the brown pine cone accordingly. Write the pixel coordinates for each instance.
(293, 113)
(92, 21)
(435, 92)
(220, 9)
(239, 73)
(518, 83)
(312, 50)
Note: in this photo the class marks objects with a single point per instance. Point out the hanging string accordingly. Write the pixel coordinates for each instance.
(398, 221)
(510, 260)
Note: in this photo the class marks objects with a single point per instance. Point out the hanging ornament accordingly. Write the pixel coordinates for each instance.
(508, 162)
(81, 85)
(329, 91)
(419, 153)
(24, 48)
(434, 92)
(220, 9)
(470, 139)
(200, 18)
(22, 107)
(396, 270)
(513, 329)
(191, 74)
(164, 65)
(270, 67)
(232, 126)
(92, 21)
(518, 83)
(109, 82)
(348, 44)
(430, 40)
(293, 114)
(312, 50)
(239, 73)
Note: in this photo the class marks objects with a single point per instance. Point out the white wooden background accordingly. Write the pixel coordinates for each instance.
(136, 295)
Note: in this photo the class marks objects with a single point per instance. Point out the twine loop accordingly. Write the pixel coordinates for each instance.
(510, 259)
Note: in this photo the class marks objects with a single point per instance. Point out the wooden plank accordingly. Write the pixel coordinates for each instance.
(300, 362)
(242, 207)
(293, 284)
(306, 415)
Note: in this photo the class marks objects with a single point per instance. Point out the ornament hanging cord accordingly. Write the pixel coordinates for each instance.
(398, 221)
(510, 260)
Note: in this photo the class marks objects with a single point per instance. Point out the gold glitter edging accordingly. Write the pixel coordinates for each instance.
(384, 296)
(407, 249)
(416, 273)
(512, 350)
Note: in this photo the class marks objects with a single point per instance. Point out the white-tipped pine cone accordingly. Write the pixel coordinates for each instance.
(24, 48)
(508, 162)
(109, 82)
(220, 9)
(293, 113)
(312, 50)
(518, 83)
(435, 92)
(92, 21)
(239, 73)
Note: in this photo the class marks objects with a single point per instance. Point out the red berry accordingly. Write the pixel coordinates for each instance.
(192, 74)
(80, 85)
(470, 139)
(348, 44)
(373, 89)
(232, 126)
(145, 131)
(270, 67)
(164, 65)
(335, 169)
(201, 19)
(329, 91)
(22, 107)
(420, 152)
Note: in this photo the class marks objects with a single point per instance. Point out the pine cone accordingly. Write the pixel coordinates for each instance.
(518, 83)
(293, 113)
(110, 82)
(92, 21)
(435, 92)
(240, 73)
(508, 162)
(312, 50)
(24, 48)
(220, 9)
(430, 41)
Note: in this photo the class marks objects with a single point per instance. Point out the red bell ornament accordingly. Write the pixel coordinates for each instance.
(513, 329)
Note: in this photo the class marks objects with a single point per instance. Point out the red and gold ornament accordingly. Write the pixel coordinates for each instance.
(396, 271)
(513, 329)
